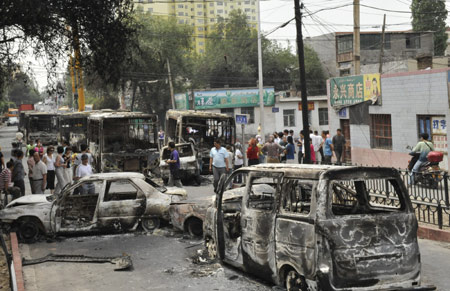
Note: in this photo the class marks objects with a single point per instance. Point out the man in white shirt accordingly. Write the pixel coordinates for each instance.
(39, 175)
(85, 170)
(316, 141)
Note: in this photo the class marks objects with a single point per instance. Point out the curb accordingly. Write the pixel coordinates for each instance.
(17, 261)
(433, 234)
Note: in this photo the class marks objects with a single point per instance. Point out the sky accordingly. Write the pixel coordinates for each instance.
(327, 16)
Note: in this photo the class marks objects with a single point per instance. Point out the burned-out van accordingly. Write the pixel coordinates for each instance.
(41, 125)
(201, 129)
(73, 128)
(124, 141)
(312, 227)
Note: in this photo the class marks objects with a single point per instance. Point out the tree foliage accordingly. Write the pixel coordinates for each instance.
(51, 28)
(431, 16)
(22, 90)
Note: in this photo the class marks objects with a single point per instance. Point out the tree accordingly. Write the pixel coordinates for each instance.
(22, 90)
(51, 28)
(431, 16)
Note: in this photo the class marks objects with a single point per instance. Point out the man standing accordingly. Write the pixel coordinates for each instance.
(218, 162)
(84, 150)
(338, 145)
(161, 137)
(316, 141)
(39, 175)
(272, 150)
(5, 181)
(18, 173)
(85, 170)
(327, 149)
(30, 164)
(423, 147)
(174, 165)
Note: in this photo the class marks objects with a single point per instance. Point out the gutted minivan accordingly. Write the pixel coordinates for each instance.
(314, 227)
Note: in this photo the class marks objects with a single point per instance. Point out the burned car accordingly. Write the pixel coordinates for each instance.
(189, 164)
(188, 216)
(201, 129)
(114, 202)
(41, 125)
(312, 227)
(124, 141)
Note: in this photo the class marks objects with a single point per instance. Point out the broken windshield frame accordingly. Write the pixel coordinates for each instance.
(206, 130)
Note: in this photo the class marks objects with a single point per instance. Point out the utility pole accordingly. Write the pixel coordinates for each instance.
(78, 68)
(74, 83)
(172, 98)
(260, 78)
(301, 61)
(380, 70)
(356, 38)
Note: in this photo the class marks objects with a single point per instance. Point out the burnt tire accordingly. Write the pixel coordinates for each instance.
(28, 230)
(150, 224)
(295, 282)
(198, 180)
(194, 227)
(211, 248)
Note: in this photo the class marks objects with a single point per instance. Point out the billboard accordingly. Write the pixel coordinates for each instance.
(351, 90)
(231, 98)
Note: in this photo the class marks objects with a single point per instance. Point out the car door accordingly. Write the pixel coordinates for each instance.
(259, 209)
(121, 204)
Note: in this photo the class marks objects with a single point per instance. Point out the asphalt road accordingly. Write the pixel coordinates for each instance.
(163, 260)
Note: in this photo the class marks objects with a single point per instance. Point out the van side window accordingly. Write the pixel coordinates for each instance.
(262, 193)
(296, 196)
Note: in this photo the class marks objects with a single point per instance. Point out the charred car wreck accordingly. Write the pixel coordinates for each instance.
(201, 129)
(41, 125)
(189, 164)
(113, 202)
(124, 141)
(317, 227)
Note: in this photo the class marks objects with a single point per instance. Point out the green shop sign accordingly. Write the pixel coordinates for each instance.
(232, 98)
(347, 91)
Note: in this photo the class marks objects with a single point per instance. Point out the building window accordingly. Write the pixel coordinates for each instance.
(373, 41)
(199, 5)
(247, 2)
(227, 111)
(251, 112)
(200, 21)
(180, 6)
(323, 116)
(150, 10)
(181, 21)
(211, 4)
(200, 28)
(381, 131)
(201, 51)
(345, 43)
(289, 117)
(219, 11)
(248, 17)
(150, 1)
(180, 13)
(212, 19)
(247, 10)
(412, 40)
(199, 13)
(219, 3)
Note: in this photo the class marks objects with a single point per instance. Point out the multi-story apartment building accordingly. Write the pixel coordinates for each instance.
(201, 14)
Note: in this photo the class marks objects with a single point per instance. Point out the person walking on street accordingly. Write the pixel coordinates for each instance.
(49, 160)
(174, 166)
(322, 145)
(39, 148)
(60, 167)
(260, 145)
(300, 147)
(338, 146)
(290, 151)
(218, 162)
(30, 164)
(39, 175)
(18, 173)
(327, 149)
(272, 150)
(161, 136)
(84, 170)
(6, 183)
(238, 162)
(424, 146)
(317, 143)
(252, 152)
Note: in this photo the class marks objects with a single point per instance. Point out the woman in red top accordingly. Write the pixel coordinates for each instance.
(252, 152)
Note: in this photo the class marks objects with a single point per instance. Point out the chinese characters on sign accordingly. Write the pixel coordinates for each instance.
(232, 98)
(439, 130)
(440, 143)
(351, 90)
(310, 106)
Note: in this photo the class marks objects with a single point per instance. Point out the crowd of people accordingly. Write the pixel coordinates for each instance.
(46, 169)
(281, 147)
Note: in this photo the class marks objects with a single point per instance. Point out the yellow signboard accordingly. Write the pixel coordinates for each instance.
(372, 90)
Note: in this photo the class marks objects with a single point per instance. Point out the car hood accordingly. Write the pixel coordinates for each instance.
(176, 191)
(29, 199)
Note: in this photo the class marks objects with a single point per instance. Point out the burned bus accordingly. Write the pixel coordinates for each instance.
(201, 129)
(124, 141)
(73, 128)
(41, 125)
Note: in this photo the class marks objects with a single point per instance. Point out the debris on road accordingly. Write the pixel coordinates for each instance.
(122, 263)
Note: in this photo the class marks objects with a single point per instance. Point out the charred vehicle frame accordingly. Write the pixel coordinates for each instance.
(73, 127)
(317, 228)
(202, 129)
(124, 142)
(43, 126)
(189, 164)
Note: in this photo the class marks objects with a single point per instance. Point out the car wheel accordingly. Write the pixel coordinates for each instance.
(295, 282)
(198, 180)
(165, 181)
(28, 230)
(211, 248)
(195, 227)
(150, 224)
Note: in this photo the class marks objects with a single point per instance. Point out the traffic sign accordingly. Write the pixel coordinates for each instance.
(242, 118)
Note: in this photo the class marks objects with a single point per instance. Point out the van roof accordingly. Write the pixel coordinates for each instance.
(194, 113)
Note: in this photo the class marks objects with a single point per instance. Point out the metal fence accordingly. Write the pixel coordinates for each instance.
(430, 199)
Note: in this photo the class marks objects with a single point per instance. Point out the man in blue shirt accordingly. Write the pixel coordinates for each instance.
(327, 149)
(218, 162)
(174, 165)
